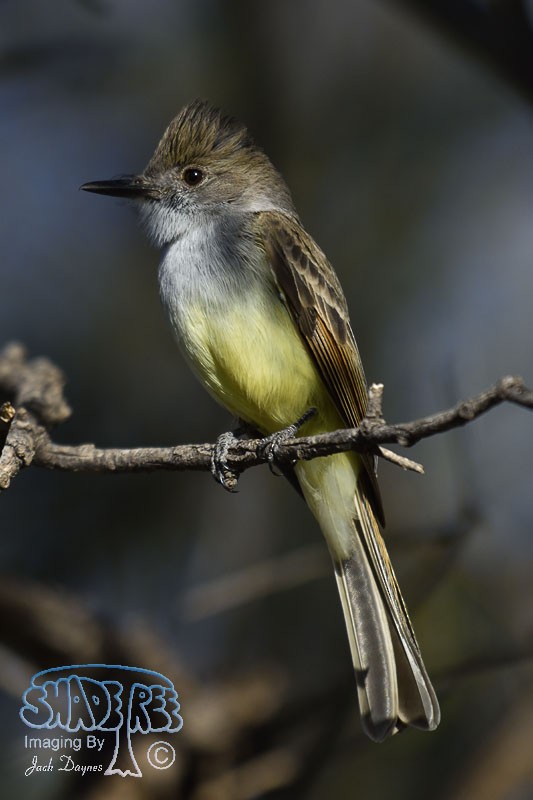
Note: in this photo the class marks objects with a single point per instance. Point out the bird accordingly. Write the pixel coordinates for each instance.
(262, 320)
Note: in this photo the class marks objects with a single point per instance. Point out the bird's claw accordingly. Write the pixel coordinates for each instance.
(270, 444)
(220, 470)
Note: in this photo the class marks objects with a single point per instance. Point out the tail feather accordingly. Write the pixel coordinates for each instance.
(371, 646)
(393, 686)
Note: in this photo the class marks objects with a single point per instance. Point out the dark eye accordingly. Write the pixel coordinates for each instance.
(193, 176)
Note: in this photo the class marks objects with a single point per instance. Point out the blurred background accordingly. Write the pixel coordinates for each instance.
(408, 145)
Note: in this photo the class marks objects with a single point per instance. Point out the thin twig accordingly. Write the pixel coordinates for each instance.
(400, 461)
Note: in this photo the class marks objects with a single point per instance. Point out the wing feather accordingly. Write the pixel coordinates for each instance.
(314, 297)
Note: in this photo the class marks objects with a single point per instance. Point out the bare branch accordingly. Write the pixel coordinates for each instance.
(35, 388)
(37, 385)
(20, 446)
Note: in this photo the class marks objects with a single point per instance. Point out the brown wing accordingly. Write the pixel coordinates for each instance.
(316, 301)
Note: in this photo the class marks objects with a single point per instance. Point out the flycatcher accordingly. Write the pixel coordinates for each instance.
(262, 320)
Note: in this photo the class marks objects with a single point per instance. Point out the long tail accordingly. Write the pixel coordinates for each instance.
(394, 689)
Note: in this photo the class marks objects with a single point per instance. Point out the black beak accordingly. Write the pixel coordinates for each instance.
(132, 186)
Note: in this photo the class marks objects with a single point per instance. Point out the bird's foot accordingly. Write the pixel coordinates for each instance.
(220, 470)
(270, 444)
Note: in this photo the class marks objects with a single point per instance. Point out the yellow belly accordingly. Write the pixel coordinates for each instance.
(253, 361)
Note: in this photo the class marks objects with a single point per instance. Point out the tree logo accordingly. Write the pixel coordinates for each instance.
(105, 698)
